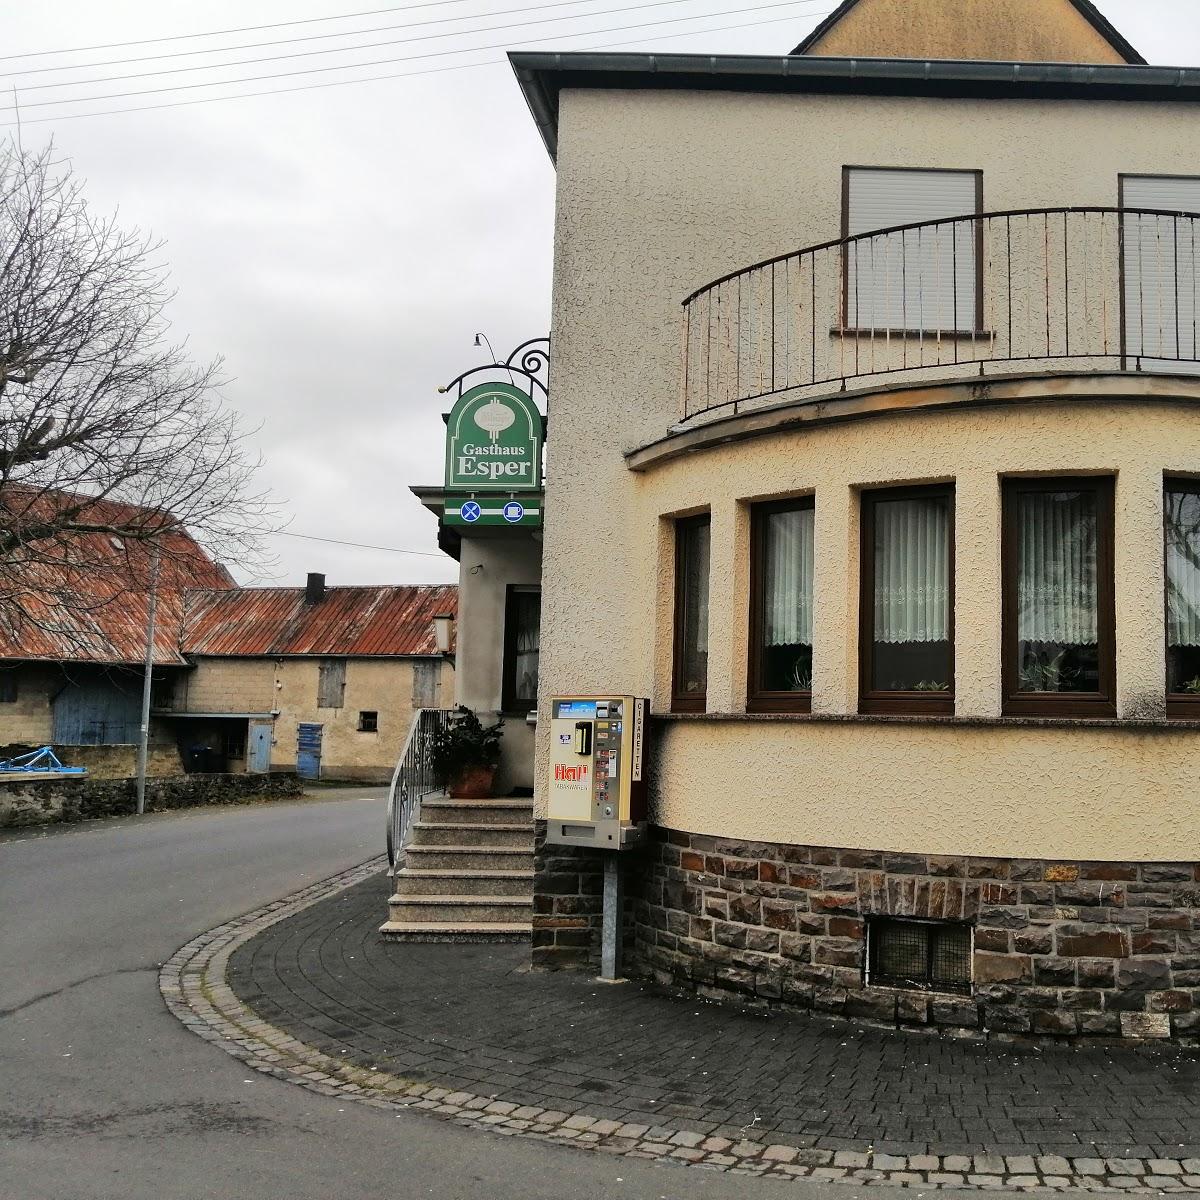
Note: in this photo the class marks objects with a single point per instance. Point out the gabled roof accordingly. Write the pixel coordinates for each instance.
(87, 598)
(352, 622)
(1090, 13)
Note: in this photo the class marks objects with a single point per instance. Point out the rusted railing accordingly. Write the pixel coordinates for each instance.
(1115, 288)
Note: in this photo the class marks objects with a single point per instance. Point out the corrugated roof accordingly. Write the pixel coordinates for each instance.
(86, 596)
(349, 621)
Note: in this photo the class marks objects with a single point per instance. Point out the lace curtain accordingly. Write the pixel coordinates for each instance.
(788, 578)
(912, 571)
(1056, 581)
(1183, 568)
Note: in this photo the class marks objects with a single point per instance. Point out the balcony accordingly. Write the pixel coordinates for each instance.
(998, 294)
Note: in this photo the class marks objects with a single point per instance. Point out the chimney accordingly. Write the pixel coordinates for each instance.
(314, 590)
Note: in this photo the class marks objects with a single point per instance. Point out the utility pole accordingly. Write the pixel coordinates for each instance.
(144, 742)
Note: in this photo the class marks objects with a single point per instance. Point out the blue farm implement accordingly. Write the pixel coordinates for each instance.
(38, 762)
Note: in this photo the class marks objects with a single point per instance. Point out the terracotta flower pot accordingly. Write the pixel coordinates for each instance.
(473, 783)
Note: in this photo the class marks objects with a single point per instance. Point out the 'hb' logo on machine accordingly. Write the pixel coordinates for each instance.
(570, 774)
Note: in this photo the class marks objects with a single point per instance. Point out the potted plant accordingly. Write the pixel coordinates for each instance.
(465, 753)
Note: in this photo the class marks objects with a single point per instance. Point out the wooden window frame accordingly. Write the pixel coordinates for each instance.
(758, 699)
(331, 678)
(510, 702)
(870, 700)
(1180, 705)
(848, 330)
(692, 702)
(1097, 705)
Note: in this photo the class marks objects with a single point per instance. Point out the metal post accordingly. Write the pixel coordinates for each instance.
(144, 740)
(610, 940)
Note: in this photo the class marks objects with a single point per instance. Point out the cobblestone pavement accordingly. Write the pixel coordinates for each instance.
(466, 1031)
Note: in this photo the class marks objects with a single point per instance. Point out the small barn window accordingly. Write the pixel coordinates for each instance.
(8, 687)
(368, 722)
(331, 683)
(932, 955)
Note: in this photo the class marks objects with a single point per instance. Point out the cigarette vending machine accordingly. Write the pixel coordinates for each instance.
(597, 792)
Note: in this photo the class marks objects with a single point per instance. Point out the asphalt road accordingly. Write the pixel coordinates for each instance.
(103, 1094)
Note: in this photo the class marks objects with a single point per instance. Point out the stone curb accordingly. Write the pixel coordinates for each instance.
(193, 984)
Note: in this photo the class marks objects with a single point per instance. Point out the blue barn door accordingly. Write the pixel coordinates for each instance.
(97, 713)
(258, 748)
(308, 751)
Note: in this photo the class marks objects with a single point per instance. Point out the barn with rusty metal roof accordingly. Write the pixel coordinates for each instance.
(278, 622)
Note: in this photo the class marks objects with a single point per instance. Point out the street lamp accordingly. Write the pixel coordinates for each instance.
(443, 632)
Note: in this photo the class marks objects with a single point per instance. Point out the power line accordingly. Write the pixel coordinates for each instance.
(316, 37)
(183, 37)
(424, 37)
(312, 87)
(389, 61)
(311, 537)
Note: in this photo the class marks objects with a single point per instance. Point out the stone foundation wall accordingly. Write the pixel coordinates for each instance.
(1061, 948)
(46, 801)
(568, 888)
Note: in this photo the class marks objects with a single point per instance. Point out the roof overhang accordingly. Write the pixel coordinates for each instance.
(213, 716)
(543, 76)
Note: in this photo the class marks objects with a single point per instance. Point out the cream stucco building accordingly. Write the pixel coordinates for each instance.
(900, 530)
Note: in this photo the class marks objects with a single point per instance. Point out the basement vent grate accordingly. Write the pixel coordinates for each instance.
(931, 955)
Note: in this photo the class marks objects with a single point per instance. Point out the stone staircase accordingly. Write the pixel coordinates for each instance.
(466, 874)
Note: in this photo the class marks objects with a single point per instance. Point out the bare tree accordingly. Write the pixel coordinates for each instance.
(111, 438)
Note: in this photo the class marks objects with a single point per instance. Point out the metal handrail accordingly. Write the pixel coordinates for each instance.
(413, 778)
(956, 295)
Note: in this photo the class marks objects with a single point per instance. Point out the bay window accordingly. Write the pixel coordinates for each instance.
(906, 657)
(781, 607)
(1059, 656)
(690, 673)
(1181, 534)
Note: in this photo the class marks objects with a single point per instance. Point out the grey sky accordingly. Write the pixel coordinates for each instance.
(340, 247)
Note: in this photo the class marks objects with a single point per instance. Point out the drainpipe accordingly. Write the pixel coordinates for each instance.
(144, 742)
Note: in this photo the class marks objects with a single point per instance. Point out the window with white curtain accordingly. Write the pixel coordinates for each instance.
(1181, 534)
(522, 647)
(908, 600)
(1058, 591)
(922, 280)
(1162, 287)
(692, 549)
(781, 653)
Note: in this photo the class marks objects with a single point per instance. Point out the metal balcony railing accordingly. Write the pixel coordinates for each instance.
(413, 778)
(1101, 288)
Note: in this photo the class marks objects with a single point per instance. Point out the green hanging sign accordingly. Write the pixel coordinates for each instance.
(494, 441)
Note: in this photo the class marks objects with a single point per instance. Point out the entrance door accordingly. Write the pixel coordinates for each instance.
(258, 748)
(308, 751)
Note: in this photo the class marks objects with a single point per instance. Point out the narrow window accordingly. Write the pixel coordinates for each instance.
(781, 605)
(1181, 534)
(1160, 270)
(368, 722)
(907, 644)
(920, 280)
(692, 543)
(522, 648)
(1058, 597)
(8, 687)
(930, 955)
(331, 682)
